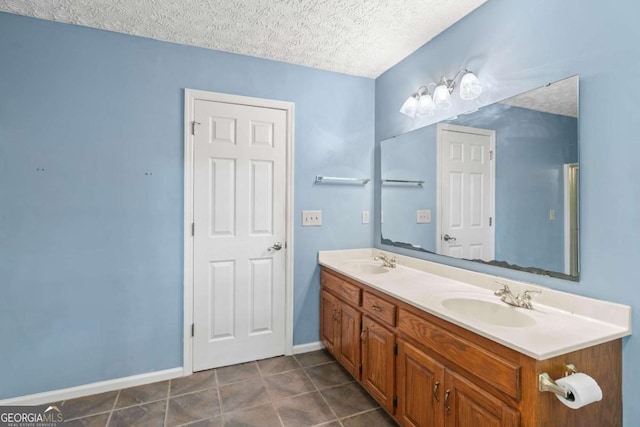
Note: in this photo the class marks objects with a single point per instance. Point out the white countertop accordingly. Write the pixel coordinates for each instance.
(562, 322)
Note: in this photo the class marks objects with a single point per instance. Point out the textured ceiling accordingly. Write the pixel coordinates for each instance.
(363, 38)
(557, 98)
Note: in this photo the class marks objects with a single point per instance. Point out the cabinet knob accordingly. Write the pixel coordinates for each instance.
(435, 391)
(446, 400)
(376, 308)
(363, 335)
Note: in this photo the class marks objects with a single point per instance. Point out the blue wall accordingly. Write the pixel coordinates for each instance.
(531, 149)
(518, 45)
(91, 259)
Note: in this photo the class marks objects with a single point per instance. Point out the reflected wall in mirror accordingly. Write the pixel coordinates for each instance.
(500, 184)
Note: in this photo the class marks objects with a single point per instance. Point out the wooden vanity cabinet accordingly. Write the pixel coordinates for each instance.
(466, 404)
(340, 329)
(329, 331)
(431, 395)
(427, 372)
(348, 351)
(420, 387)
(378, 361)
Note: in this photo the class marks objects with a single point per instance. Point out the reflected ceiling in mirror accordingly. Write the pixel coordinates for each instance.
(497, 185)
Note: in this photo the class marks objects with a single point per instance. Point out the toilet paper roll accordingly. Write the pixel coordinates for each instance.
(585, 390)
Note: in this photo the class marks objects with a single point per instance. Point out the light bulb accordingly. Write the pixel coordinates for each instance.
(442, 97)
(410, 106)
(426, 107)
(470, 86)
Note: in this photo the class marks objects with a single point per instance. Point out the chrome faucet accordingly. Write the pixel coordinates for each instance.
(515, 300)
(386, 261)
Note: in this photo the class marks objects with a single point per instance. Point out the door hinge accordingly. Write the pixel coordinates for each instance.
(193, 127)
(395, 401)
(193, 228)
(491, 155)
(395, 349)
(285, 245)
(193, 329)
(490, 221)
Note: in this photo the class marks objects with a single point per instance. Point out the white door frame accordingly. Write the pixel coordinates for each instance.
(190, 96)
(492, 203)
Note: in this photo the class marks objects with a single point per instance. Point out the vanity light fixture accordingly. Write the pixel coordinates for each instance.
(423, 102)
(410, 106)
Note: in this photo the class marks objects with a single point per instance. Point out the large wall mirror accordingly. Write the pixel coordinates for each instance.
(497, 185)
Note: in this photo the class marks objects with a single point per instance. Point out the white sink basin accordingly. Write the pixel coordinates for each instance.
(495, 313)
(365, 267)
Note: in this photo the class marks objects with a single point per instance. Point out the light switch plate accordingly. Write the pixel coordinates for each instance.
(423, 216)
(311, 218)
(365, 217)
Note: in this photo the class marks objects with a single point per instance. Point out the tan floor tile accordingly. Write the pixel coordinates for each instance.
(328, 375)
(243, 394)
(143, 394)
(187, 408)
(196, 382)
(89, 405)
(348, 399)
(276, 365)
(288, 384)
(149, 415)
(304, 410)
(235, 373)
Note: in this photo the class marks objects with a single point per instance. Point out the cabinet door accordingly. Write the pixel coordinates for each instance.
(329, 333)
(420, 382)
(378, 361)
(349, 343)
(466, 404)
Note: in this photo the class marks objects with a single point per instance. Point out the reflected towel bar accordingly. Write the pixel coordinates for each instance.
(403, 181)
(340, 180)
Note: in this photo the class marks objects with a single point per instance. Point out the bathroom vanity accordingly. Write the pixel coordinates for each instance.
(435, 350)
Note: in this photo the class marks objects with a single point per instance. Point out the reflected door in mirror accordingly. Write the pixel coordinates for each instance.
(466, 192)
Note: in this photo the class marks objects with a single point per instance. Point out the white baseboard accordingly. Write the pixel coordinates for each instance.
(305, 348)
(93, 388)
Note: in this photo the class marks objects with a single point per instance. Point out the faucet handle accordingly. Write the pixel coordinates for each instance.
(527, 294)
(524, 301)
(504, 290)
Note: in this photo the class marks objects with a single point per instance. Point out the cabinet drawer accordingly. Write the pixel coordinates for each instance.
(345, 290)
(490, 367)
(379, 308)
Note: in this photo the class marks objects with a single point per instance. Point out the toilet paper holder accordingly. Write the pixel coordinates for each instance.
(545, 383)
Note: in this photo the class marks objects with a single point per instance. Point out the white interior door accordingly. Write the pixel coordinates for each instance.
(239, 205)
(466, 191)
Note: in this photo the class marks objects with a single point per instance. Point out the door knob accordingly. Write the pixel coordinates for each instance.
(276, 246)
(448, 238)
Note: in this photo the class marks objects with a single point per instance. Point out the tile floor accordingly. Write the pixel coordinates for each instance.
(309, 389)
